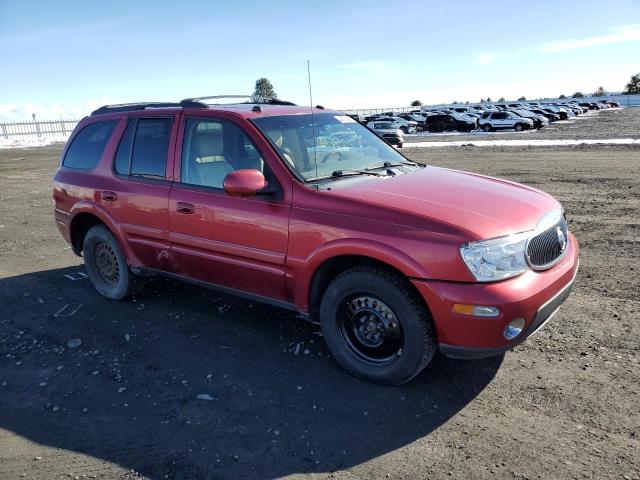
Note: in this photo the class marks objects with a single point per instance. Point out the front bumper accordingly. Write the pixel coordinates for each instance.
(392, 139)
(545, 313)
(534, 296)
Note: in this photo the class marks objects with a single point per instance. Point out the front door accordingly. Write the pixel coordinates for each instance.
(234, 242)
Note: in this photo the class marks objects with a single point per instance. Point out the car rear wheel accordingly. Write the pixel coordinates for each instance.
(486, 127)
(376, 325)
(106, 265)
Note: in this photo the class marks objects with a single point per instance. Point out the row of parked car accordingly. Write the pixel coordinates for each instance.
(518, 116)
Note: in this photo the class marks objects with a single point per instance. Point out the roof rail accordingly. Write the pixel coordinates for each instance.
(128, 107)
(197, 102)
(200, 101)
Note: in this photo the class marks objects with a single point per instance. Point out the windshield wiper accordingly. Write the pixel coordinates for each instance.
(392, 164)
(342, 173)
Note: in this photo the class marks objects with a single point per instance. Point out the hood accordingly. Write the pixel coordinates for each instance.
(485, 207)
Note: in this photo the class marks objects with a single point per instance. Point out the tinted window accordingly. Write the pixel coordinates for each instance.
(88, 145)
(149, 156)
(122, 162)
(214, 148)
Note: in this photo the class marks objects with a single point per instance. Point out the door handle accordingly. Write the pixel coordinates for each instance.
(109, 196)
(184, 207)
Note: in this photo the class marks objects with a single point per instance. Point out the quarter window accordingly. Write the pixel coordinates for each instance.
(87, 147)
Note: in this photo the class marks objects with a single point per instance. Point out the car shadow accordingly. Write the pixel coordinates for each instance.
(183, 382)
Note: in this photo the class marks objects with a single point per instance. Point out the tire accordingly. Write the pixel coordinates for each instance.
(353, 307)
(400, 145)
(519, 127)
(106, 266)
(486, 127)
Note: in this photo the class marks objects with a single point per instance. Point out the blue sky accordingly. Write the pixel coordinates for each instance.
(63, 58)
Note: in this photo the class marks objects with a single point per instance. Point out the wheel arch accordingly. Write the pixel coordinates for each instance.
(79, 226)
(330, 266)
(85, 215)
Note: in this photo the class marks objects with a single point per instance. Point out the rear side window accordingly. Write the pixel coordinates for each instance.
(88, 145)
(122, 163)
(143, 148)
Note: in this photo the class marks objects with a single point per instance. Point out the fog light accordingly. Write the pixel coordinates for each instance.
(514, 328)
(476, 310)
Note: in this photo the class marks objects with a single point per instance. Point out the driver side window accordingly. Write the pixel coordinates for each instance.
(214, 148)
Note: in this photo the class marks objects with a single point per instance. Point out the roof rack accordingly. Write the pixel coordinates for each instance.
(196, 102)
(252, 99)
(128, 107)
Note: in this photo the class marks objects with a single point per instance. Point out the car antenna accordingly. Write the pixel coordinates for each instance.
(313, 123)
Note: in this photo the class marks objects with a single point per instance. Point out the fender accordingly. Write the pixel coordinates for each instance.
(85, 206)
(300, 271)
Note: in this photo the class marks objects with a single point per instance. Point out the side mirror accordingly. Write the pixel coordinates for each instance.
(244, 183)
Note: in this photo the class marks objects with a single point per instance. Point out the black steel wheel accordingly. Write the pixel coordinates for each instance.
(370, 329)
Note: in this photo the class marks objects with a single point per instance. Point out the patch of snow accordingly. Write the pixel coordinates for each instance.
(26, 141)
(524, 143)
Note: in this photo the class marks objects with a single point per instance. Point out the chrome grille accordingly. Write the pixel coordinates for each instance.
(547, 248)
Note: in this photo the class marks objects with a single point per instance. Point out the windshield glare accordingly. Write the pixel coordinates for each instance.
(340, 143)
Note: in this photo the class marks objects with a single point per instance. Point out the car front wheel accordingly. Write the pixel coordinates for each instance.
(376, 325)
(519, 127)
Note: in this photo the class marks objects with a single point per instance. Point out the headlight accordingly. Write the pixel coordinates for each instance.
(496, 259)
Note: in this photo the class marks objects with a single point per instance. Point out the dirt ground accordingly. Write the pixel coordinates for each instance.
(125, 403)
(595, 124)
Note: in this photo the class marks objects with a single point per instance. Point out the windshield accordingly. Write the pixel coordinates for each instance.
(459, 116)
(340, 143)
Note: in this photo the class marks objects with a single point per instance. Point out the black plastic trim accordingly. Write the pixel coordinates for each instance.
(226, 290)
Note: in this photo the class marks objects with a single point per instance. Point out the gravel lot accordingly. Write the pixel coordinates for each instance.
(184, 383)
(596, 124)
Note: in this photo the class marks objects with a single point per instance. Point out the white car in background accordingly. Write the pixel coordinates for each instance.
(387, 131)
(503, 120)
(407, 126)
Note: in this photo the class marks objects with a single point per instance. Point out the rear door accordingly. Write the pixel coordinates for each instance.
(510, 120)
(499, 120)
(138, 199)
(233, 242)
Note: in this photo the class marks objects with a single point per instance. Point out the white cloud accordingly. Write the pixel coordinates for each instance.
(626, 33)
(371, 67)
(20, 112)
(485, 58)
(53, 33)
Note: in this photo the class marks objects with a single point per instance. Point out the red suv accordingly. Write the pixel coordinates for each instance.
(309, 210)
